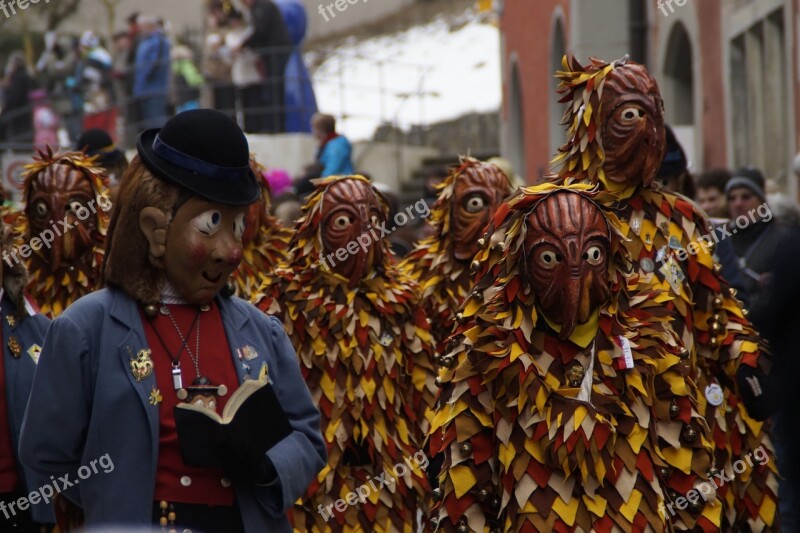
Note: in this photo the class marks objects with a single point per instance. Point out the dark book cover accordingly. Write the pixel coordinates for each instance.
(251, 423)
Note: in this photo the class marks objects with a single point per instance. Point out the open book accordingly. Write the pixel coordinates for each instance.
(252, 422)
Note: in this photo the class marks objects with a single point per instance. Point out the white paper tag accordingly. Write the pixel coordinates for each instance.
(626, 351)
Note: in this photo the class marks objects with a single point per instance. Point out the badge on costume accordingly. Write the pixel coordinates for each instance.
(11, 320)
(625, 361)
(34, 352)
(636, 223)
(13, 345)
(674, 243)
(385, 339)
(248, 353)
(263, 374)
(673, 274)
(662, 253)
(714, 394)
(155, 396)
(142, 364)
(647, 264)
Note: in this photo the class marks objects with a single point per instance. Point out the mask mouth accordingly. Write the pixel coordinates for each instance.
(210, 279)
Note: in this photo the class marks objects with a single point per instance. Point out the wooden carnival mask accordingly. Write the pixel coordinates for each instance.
(478, 192)
(62, 195)
(567, 254)
(200, 247)
(632, 125)
(352, 213)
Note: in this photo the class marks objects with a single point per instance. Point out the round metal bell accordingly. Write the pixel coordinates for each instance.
(495, 503)
(717, 268)
(150, 311)
(713, 342)
(483, 495)
(716, 328)
(674, 410)
(684, 353)
(717, 303)
(689, 434)
(465, 450)
(665, 471)
(462, 527)
(449, 361)
(437, 494)
(475, 265)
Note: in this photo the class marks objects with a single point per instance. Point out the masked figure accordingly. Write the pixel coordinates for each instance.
(364, 349)
(265, 241)
(63, 229)
(166, 330)
(616, 140)
(440, 263)
(562, 382)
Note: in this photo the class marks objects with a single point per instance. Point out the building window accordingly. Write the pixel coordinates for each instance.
(759, 97)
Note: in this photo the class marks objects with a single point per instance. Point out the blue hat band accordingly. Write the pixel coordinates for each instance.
(188, 162)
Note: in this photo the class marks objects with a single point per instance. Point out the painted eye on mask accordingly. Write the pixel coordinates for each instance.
(549, 259)
(40, 209)
(342, 222)
(238, 225)
(594, 255)
(74, 205)
(474, 203)
(632, 114)
(207, 223)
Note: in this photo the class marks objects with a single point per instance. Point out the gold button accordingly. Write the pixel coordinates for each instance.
(186, 481)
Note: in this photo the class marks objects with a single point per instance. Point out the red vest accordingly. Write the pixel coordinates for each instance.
(176, 482)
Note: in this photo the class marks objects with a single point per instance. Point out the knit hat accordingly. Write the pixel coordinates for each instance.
(749, 177)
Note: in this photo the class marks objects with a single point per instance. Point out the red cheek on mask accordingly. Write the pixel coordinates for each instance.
(198, 253)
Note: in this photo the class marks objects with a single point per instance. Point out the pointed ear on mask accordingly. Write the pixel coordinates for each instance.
(154, 223)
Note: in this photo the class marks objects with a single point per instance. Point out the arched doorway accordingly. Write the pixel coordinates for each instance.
(679, 78)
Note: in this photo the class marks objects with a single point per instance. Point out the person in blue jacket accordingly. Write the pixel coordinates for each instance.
(117, 362)
(151, 75)
(334, 155)
(23, 331)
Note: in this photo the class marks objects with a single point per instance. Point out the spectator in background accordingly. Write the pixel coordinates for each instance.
(674, 171)
(269, 39)
(187, 80)
(135, 38)
(152, 74)
(300, 104)
(710, 193)
(287, 208)
(246, 76)
(747, 254)
(96, 84)
(16, 117)
(119, 73)
(217, 59)
(56, 64)
(112, 160)
(334, 155)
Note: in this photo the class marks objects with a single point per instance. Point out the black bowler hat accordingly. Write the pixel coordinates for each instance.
(96, 142)
(205, 152)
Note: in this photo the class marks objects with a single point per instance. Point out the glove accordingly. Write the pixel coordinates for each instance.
(753, 389)
(246, 467)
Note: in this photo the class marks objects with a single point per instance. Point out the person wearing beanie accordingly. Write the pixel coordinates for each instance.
(97, 142)
(119, 369)
(751, 237)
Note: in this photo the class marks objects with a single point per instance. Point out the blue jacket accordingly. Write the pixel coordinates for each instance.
(335, 157)
(19, 372)
(86, 403)
(152, 66)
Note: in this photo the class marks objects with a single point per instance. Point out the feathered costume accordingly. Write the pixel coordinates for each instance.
(365, 352)
(66, 201)
(265, 240)
(440, 264)
(545, 425)
(616, 140)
